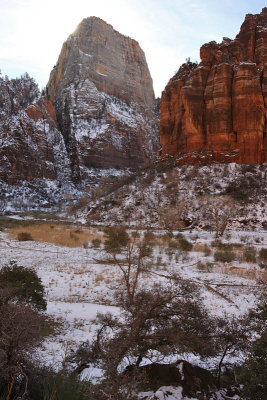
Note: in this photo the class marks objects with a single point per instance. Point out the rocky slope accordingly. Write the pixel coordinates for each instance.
(220, 105)
(31, 145)
(164, 193)
(103, 96)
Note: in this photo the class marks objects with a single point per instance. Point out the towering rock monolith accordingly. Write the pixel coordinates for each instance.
(103, 95)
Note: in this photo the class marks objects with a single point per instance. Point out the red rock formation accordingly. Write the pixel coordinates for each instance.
(44, 109)
(220, 105)
(31, 145)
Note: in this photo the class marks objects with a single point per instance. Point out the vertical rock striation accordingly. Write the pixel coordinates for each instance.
(219, 106)
(103, 96)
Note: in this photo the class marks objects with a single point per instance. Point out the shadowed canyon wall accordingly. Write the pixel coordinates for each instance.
(31, 145)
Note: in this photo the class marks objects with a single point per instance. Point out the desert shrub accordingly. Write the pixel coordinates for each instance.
(149, 236)
(159, 261)
(184, 244)
(254, 372)
(23, 285)
(46, 384)
(99, 277)
(249, 254)
(244, 188)
(82, 203)
(202, 248)
(135, 235)
(66, 388)
(263, 258)
(221, 246)
(173, 244)
(165, 166)
(24, 236)
(167, 236)
(263, 254)
(201, 266)
(224, 256)
(85, 245)
(207, 250)
(96, 243)
(116, 239)
(204, 267)
(73, 236)
(236, 191)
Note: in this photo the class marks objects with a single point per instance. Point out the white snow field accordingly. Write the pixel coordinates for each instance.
(81, 282)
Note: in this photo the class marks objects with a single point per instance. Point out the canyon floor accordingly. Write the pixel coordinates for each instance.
(80, 279)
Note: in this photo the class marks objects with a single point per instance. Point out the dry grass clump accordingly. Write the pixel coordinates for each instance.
(199, 247)
(249, 254)
(73, 236)
(263, 254)
(202, 248)
(24, 236)
(253, 274)
(99, 278)
(224, 256)
(59, 234)
(96, 243)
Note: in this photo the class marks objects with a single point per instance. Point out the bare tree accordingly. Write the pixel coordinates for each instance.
(231, 336)
(170, 217)
(163, 319)
(218, 210)
(131, 253)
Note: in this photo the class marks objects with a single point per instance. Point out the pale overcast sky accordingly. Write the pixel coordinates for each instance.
(33, 31)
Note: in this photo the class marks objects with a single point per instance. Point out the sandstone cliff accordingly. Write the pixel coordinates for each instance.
(219, 107)
(31, 145)
(103, 96)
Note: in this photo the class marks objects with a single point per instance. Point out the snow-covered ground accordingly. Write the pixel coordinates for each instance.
(80, 282)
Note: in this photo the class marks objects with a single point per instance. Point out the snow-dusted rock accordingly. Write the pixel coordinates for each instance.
(31, 146)
(103, 95)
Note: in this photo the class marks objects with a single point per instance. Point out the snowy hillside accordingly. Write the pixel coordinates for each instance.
(147, 197)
